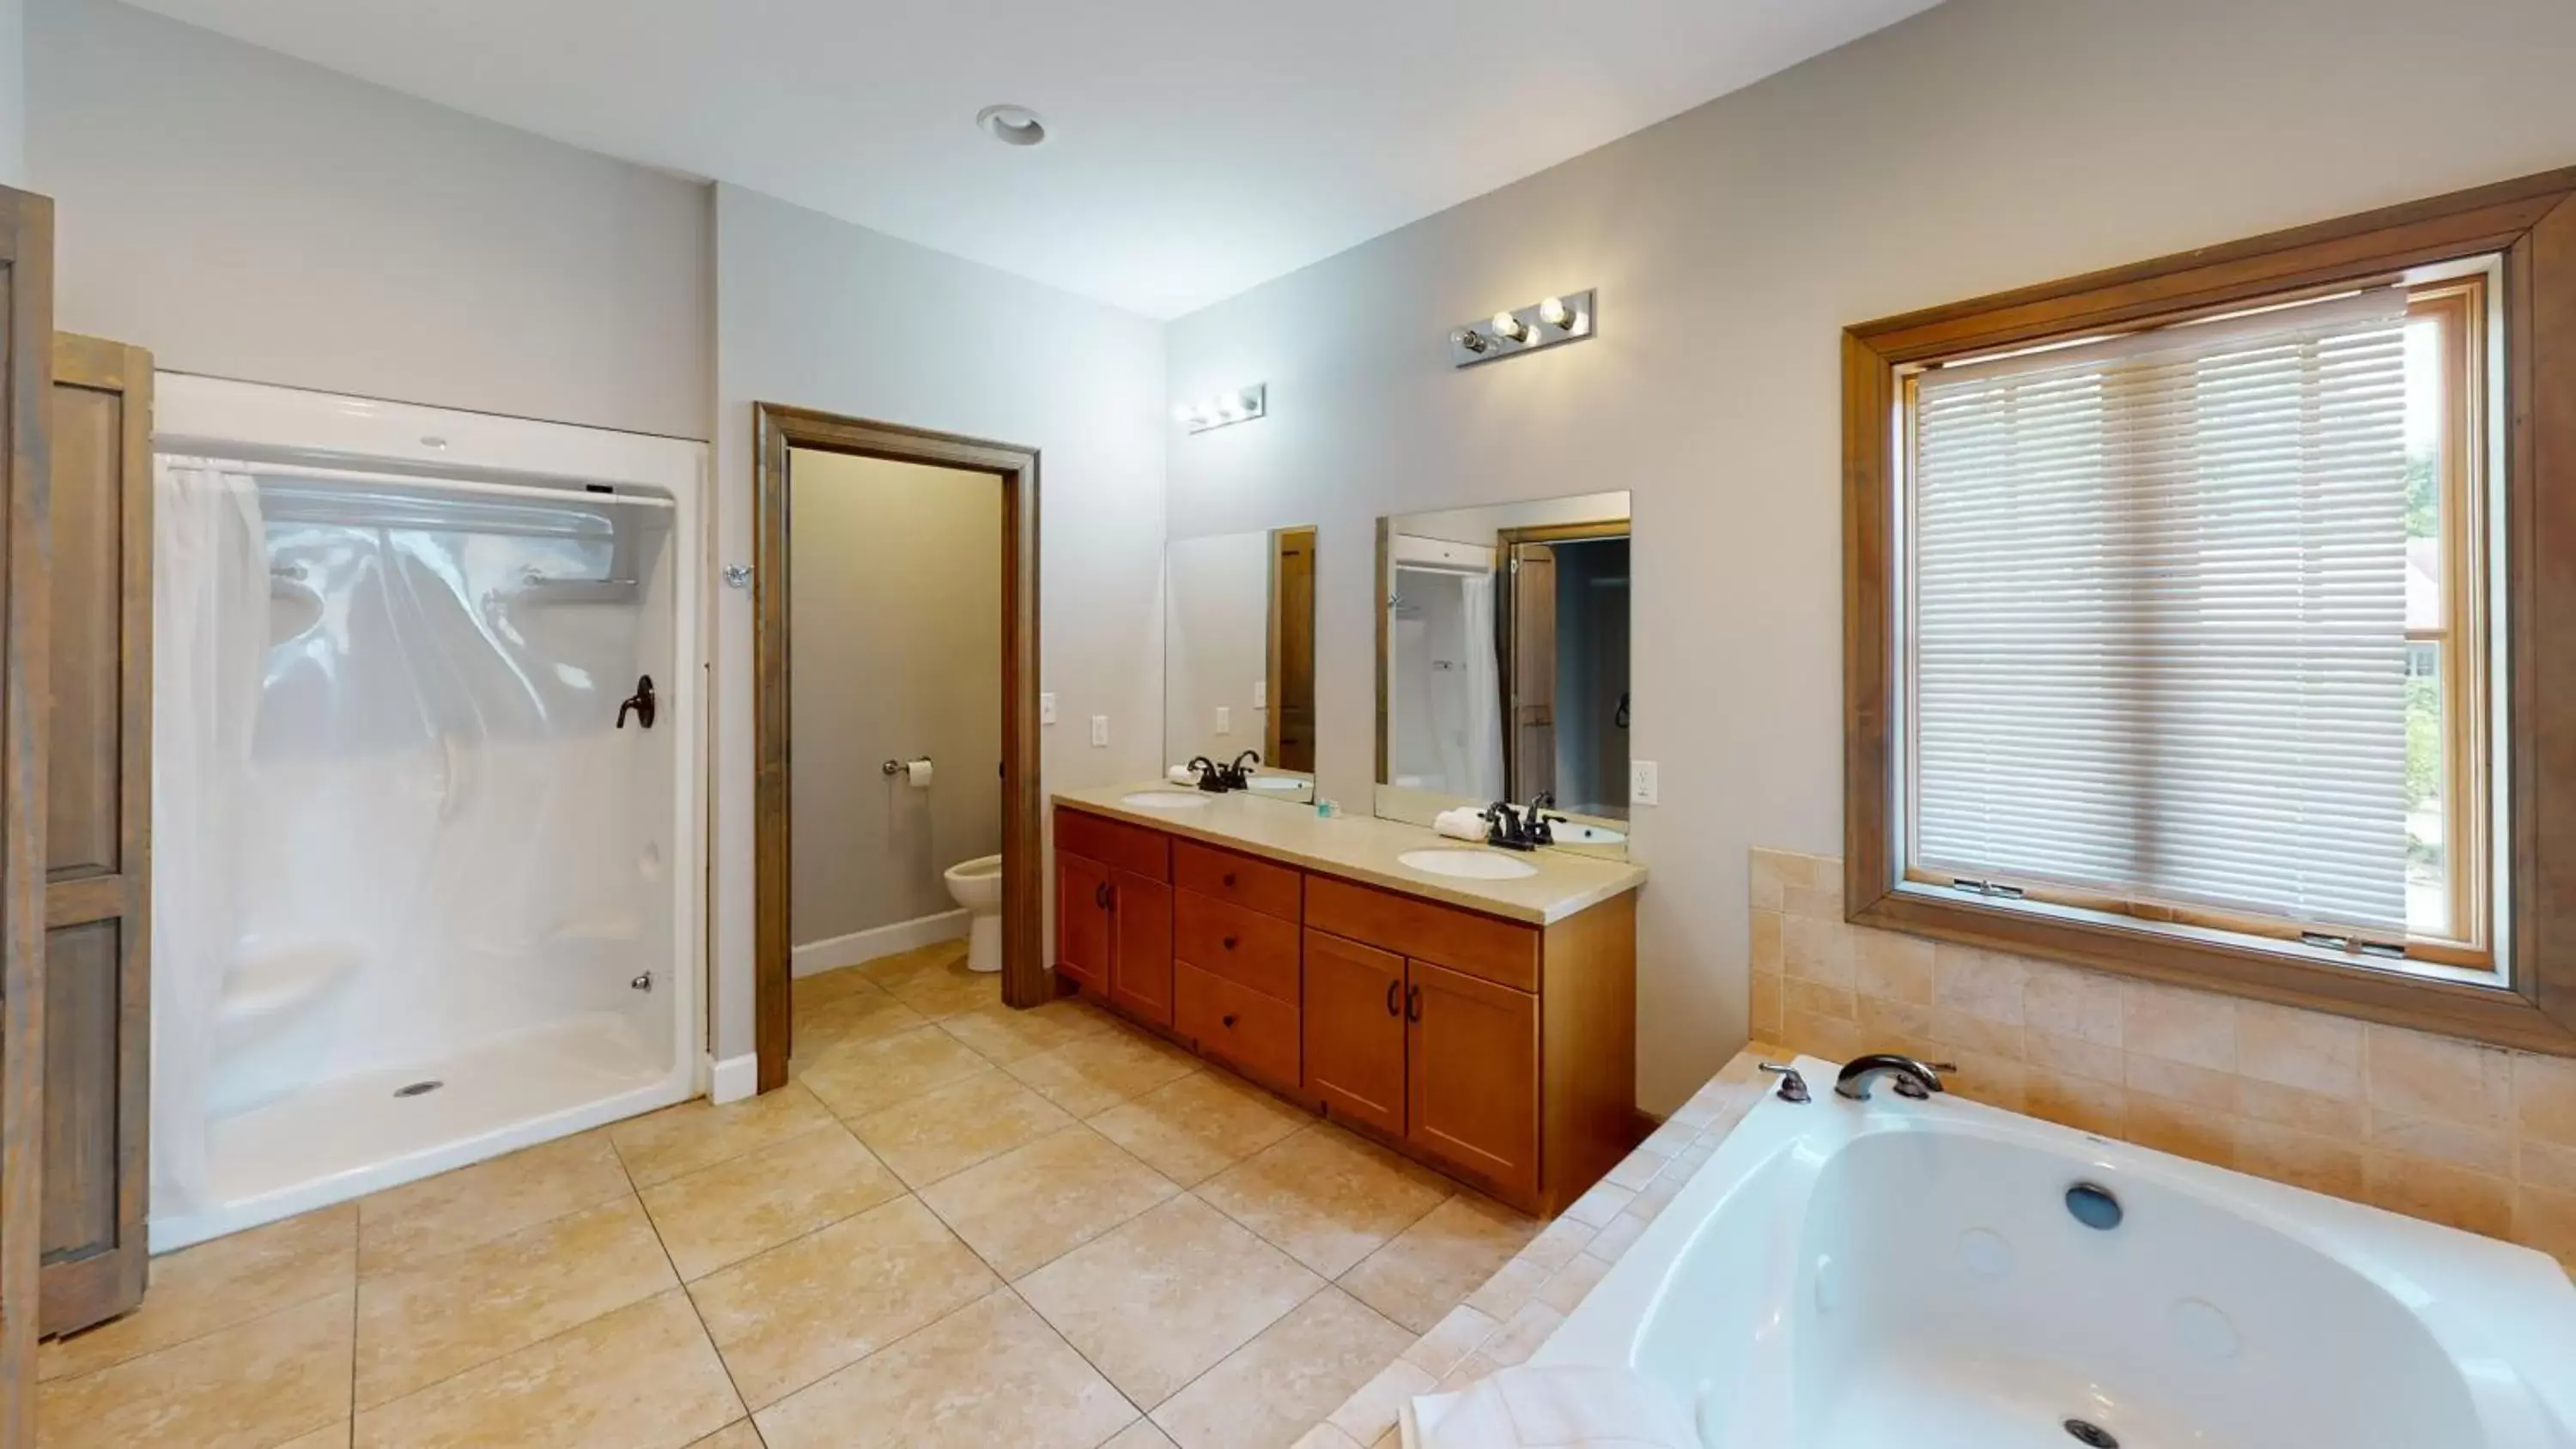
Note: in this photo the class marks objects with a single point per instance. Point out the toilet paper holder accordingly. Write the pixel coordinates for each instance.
(896, 767)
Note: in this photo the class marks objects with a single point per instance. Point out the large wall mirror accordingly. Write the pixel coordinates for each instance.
(1503, 663)
(1239, 659)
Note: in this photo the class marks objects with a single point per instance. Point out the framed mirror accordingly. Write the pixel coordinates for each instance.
(1239, 659)
(1503, 663)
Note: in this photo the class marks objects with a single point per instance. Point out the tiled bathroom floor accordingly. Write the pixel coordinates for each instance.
(959, 1225)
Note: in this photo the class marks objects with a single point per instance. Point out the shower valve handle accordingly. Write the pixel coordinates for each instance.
(641, 702)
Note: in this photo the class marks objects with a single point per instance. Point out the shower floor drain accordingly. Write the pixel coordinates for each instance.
(2092, 1434)
(418, 1089)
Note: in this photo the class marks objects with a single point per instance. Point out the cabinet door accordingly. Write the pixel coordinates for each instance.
(1354, 1025)
(1471, 1097)
(1082, 921)
(98, 985)
(1140, 955)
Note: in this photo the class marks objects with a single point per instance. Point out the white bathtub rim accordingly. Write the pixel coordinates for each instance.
(2526, 1304)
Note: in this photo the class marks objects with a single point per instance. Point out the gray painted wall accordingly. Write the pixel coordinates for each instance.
(1985, 144)
(816, 312)
(247, 215)
(895, 650)
(13, 93)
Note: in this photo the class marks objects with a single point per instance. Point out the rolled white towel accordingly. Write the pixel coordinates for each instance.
(1569, 1406)
(1181, 775)
(1461, 823)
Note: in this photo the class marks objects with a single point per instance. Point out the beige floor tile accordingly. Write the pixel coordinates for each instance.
(939, 985)
(1100, 1071)
(1033, 1204)
(254, 1386)
(725, 1213)
(989, 1375)
(663, 1145)
(944, 1132)
(406, 1226)
(806, 993)
(444, 1317)
(801, 1310)
(858, 1017)
(1274, 1388)
(1199, 1126)
(214, 1285)
(1005, 1034)
(736, 1435)
(643, 1377)
(1141, 1435)
(871, 1076)
(1326, 1197)
(1431, 1267)
(1157, 1302)
(335, 1436)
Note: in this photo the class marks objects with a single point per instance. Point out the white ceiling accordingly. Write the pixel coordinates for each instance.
(1198, 149)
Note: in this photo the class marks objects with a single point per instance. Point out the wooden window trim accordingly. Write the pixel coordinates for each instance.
(2531, 224)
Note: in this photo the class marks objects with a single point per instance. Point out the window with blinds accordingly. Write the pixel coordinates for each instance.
(2163, 633)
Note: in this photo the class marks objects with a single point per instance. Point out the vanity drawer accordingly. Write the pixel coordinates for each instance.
(1113, 842)
(1243, 946)
(1275, 890)
(1500, 951)
(1255, 1033)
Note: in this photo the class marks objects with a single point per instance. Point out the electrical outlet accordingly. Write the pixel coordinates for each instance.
(1261, 694)
(1100, 731)
(1641, 782)
(1225, 719)
(1046, 708)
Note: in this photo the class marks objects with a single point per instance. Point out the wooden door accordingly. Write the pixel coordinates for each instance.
(1471, 1097)
(1354, 1030)
(1531, 688)
(98, 771)
(26, 372)
(1082, 921)
(1140, 953)
(1291, 741)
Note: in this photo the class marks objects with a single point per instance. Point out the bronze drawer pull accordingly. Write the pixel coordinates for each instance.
(1393, 990)
(1229, 1018)
(1413, 1004)
(1229, 943)
(1229, 880)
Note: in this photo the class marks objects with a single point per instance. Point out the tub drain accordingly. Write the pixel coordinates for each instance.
(2092, 1434)
(417, 1089)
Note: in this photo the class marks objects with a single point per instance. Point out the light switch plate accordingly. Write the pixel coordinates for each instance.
(1261, 694)
(1046, 708)
(1641, 782)
(1225, 719)
(1100, 731)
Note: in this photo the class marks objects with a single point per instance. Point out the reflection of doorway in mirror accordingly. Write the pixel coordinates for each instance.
(1564, 655)
(1290, 736)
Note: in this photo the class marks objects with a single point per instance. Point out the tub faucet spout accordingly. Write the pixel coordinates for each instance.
(1915, 1080)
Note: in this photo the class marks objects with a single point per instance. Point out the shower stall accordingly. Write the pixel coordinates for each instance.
(428, 826)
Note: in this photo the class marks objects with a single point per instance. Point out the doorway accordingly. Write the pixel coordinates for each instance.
(1564, 657)
(783, 434)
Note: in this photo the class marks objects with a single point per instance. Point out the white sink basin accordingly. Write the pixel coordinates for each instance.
(1469, 864)
(1164, 800)
(1569, 833)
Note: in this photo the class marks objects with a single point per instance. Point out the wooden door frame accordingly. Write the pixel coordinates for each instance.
(26, 392)
(778, 428)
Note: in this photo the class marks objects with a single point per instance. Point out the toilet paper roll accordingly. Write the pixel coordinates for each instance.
(918, 772)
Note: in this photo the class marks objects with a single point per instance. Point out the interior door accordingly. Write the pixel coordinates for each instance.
(1082, 921)
(1354, 1029)
(1140, 955)
(1291, 742)
(98, 984)
(1531, 689)
(26, 372)
(1471, 1052)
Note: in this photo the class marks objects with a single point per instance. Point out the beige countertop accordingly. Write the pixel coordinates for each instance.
(1364, 849)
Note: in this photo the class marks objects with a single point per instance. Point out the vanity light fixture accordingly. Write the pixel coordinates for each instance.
(1567, 318)
(1234, 405)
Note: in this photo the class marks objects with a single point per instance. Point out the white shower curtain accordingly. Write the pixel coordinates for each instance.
(1482, 768)
(210, 640)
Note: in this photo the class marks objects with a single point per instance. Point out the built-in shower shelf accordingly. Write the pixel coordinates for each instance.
(264, 986)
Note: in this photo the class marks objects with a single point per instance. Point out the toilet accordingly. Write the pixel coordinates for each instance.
(977, 885)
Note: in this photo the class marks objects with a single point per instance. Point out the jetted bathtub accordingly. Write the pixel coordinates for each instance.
(1858, 1275)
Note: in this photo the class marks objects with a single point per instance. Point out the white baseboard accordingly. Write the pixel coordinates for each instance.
(731, 1079)
(868, 945)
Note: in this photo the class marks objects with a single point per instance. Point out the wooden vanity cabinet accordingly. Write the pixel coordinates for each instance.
(1500, 1051)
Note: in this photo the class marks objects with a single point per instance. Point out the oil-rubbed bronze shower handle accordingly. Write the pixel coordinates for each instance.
(641, 702)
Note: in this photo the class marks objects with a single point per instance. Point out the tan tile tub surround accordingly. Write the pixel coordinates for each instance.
(1363, 848)
(2472, 1136)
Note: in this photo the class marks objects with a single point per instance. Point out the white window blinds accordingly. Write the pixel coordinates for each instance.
(2158, 617)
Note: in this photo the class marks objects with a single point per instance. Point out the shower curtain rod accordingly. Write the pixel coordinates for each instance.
(413, 480)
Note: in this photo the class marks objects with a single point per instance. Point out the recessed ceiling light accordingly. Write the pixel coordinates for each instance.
(1012, 125)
